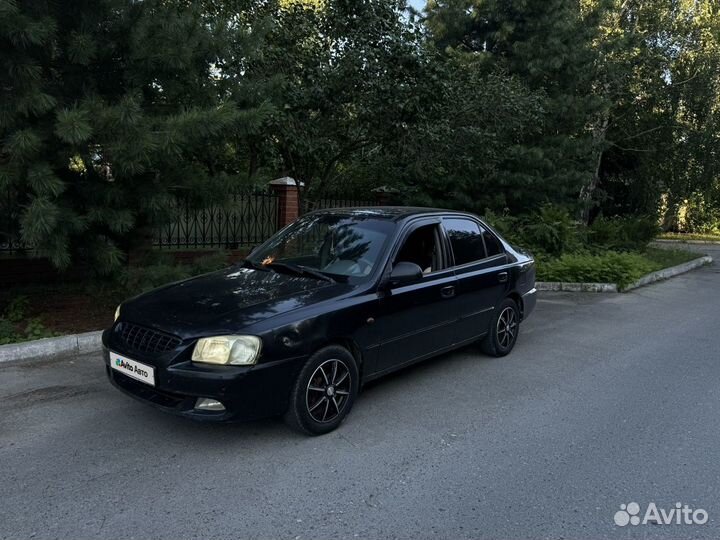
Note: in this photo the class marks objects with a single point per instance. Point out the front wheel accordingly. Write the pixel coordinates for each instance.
(324, 392)
(504, 329)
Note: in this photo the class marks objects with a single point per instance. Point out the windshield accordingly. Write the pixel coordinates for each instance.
(345, 246)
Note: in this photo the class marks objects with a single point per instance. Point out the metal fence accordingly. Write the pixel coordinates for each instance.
(243, 220)
(319, 204)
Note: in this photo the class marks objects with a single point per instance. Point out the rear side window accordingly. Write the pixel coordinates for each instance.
(491, 244)
(466, 240)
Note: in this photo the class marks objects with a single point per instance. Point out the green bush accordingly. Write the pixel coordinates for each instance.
(701, 215)
(622, 233)
(610, 267)
(8, 333)
(15, 310)
(155, 270)
(14, 328)
(209, 263)
(550, 230)
(507, 225)
(35, 329)
(139, 279)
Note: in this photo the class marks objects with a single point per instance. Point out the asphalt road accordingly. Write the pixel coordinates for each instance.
(606, 400)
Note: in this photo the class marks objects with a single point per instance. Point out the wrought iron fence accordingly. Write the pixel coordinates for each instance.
(319, 204)
(243, 220)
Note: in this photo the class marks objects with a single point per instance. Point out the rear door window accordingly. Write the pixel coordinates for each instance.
(466, 240)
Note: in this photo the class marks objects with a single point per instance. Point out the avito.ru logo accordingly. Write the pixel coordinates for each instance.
(680, 515)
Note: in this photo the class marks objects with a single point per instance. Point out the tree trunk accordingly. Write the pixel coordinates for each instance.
(587, 192)
(253, 160)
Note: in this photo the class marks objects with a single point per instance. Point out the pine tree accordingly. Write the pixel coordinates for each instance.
(107, 108)
(545, 45)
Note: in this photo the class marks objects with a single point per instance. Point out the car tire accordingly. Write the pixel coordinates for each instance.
(504, 329)
(324, 391)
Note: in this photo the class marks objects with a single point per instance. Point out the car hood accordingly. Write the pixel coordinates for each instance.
(226, 301)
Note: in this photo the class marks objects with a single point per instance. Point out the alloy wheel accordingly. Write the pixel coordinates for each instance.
(507, 326)
(328, 391)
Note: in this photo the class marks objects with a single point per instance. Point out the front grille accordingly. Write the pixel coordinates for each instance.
(142, 339)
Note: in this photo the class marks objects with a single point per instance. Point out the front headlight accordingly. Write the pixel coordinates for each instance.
(227, 350)
(117, 313)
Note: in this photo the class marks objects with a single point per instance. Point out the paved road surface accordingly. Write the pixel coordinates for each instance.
(607, 399)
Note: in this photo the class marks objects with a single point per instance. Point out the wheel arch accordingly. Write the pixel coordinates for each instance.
(349, 344)
(517, 298)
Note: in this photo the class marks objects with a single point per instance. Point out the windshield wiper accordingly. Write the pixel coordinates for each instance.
(300, 270)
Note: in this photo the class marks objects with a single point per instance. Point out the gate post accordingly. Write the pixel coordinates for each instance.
(286, 189)
(385, 195)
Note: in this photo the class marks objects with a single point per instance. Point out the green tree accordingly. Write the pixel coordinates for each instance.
(107, 108)
(338, 78)
(656, 68)
(546, 45)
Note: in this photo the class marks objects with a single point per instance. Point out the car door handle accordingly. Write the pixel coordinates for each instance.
(502, 277)
(447, 292)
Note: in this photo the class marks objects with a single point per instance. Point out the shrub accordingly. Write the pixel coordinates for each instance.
(35, 329)
(155, 270)
(8, 333)
(15, 310)
(12, 329)
(139, 279)
(550, 230)
(700, 214)
(610, 267)
(209, 263)
(622, 233)
(508, 226)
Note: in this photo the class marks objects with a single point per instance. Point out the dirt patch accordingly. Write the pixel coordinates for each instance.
(63, 309)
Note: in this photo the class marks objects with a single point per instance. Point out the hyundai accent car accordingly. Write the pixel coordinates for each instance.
(335, 299)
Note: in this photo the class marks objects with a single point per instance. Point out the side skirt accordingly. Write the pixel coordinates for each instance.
(377, 375)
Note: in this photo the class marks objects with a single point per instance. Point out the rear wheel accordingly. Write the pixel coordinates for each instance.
(324, 392)
(504, 329)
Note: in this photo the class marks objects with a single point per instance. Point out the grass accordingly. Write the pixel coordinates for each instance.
(622, 268)
(702, 237)
(665, 258)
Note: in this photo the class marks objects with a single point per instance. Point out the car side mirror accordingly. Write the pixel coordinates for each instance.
(405, 272)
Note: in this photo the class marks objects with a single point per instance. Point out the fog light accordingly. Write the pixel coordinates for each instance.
(207, 404)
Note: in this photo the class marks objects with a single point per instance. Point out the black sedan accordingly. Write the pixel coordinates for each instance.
(336, 299)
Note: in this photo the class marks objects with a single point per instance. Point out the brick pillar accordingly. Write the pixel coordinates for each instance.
(385, 196)
(288, 199)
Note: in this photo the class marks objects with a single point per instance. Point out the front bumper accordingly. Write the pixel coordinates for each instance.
(247, 392)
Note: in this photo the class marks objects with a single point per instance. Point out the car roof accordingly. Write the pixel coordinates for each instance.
(394, 213)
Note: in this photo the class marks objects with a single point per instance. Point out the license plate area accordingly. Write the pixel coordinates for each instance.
(132, 368)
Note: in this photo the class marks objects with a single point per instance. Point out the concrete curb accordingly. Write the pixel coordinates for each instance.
(652, 277)
(673, 271)
(89, 342)
(576, 287)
